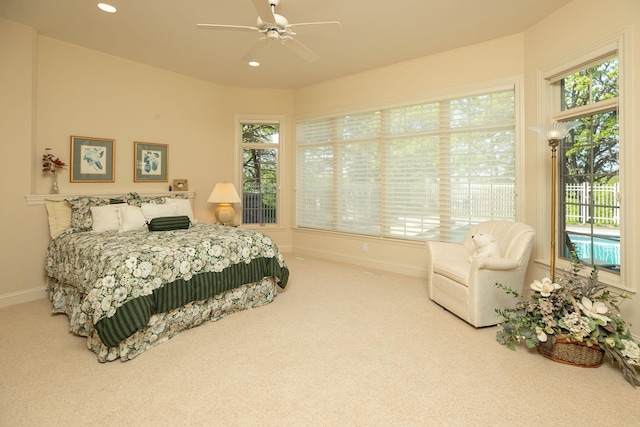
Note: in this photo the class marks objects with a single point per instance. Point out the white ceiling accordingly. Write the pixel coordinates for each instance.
(163, 33)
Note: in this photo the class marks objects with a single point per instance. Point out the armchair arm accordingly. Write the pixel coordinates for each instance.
(443, 251)
(492, 263)
(447, 250)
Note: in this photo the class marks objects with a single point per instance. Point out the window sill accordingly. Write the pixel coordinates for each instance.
(262, 226)
(563, 268)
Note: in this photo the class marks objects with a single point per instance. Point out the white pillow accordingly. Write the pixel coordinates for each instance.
(183, 206)
(105, 218)
(154, 210)
(131, 218)
(59, 215)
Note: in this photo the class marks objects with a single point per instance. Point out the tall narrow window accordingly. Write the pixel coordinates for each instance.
(589, 178)
(260, 145)
(414, 172)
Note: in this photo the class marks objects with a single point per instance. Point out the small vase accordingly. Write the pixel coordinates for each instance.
(54, 183)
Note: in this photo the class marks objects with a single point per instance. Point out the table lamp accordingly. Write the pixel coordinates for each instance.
(224, 193)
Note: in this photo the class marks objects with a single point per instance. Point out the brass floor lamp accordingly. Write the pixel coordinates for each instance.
(553, 133)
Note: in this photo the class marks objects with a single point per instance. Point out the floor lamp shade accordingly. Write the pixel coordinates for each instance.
(224, 194)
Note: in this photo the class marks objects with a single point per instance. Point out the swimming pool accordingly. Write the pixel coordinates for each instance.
(603, 251)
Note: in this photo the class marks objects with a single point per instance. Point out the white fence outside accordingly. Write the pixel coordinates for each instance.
(606, 210)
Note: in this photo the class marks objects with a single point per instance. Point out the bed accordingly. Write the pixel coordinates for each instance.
(127, 289)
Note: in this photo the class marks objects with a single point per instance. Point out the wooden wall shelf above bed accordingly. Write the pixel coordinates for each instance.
(38, 199)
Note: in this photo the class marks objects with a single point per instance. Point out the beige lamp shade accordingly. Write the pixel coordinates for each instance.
(224, 193)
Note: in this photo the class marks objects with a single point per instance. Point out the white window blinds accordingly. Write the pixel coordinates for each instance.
(417, 172)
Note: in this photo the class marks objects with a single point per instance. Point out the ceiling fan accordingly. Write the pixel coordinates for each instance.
(273, 27)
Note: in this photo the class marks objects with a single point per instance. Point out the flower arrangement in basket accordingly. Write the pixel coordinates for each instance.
(574, 321)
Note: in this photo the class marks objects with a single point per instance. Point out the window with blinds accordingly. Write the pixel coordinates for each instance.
(417, 172)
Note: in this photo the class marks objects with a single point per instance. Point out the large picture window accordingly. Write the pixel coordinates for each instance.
(589, 178)
(416, 172)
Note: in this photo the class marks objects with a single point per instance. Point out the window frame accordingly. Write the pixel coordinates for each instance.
(240, 145)
(549, 110)
(482, 88)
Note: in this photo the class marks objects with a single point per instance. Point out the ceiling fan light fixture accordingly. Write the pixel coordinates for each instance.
(106, 7)
(254, 64)
(272, 26)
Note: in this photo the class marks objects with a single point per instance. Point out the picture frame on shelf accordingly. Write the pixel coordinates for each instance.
(180, 185)
(92, 159)
(150, 162)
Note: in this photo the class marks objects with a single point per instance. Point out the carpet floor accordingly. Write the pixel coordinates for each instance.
(341, 346)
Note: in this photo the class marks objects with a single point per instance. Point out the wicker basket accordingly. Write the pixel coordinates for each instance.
(573, 353)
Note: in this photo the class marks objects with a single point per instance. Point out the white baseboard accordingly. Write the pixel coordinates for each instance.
(23, 296)
(363, 262)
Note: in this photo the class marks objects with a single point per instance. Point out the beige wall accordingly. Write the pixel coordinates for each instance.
(495, 61)
(571, 31)
(82, 92)
(88, 93)
(558, 37)
(52, 90)
(22, 229)
(428, 76)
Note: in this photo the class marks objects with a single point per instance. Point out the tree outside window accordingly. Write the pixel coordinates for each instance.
(260, 144)
(589, 179)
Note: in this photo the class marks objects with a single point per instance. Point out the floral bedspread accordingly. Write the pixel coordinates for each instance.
(111, 269)
(161, 327)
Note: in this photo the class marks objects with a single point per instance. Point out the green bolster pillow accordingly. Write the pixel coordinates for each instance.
(166, 223)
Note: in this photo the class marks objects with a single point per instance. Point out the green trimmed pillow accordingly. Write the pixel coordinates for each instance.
(166, 223)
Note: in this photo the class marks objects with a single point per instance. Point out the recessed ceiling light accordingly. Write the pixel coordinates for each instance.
(107, 7)
(254, 63)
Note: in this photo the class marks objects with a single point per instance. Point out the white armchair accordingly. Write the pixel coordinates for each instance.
(467, 288)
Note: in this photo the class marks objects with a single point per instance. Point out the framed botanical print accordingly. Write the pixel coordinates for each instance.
(150, 162)
(92, 159)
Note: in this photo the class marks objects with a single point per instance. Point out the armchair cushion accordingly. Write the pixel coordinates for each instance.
(454, 270)
(465, 285)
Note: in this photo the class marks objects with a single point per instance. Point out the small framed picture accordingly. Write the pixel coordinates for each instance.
(92, 159)
(180, 185)
(150, 162)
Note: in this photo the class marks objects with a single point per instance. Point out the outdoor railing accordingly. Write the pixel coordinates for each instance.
(606, 206)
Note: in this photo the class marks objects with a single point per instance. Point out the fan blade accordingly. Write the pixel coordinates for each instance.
(252, 54)
(300, 24)
(226, 27)
(299, 49)
(263, 7)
